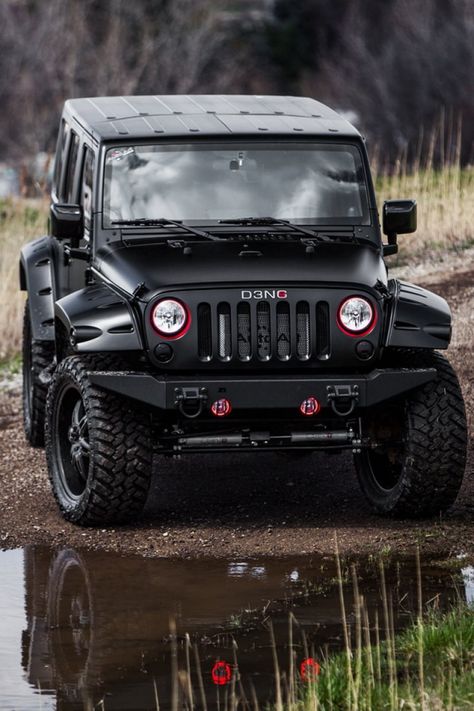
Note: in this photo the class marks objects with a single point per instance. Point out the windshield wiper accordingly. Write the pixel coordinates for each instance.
(162, 222)
(273, 221)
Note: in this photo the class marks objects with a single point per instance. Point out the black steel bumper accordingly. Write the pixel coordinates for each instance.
(342, 393)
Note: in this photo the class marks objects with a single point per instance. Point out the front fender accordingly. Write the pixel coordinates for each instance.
(418, 318)
(37, 278)
(96, 319)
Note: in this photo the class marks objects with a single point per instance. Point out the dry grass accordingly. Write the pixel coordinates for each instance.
(445, 218)
(445, 208)
(20, 222)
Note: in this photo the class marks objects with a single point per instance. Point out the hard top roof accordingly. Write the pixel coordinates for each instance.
(143, 117)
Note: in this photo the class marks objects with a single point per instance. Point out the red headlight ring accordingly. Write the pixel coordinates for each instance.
(370, 327)
(184, 329)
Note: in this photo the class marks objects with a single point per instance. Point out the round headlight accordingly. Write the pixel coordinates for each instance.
(170, 318)
(356, 316)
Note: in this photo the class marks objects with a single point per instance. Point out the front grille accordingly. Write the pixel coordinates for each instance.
(263, 331)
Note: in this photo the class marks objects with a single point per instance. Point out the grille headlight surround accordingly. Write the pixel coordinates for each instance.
(356, 316)
(170, 318)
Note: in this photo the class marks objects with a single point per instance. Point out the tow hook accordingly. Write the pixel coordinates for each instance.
(342, 398)
(190, 401)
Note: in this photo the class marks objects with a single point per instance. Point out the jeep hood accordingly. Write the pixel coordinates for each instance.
(161, 267)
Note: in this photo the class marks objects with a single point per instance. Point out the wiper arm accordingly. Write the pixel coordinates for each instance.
(270, 221)
(162, 222)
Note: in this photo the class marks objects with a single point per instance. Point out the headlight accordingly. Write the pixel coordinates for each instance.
(356, 316)
(170, 318)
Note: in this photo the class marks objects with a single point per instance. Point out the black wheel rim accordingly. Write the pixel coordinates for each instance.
(72, 442)
(383, 466)
(70, 618)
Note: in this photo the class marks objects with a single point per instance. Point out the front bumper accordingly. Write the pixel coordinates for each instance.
(342, 393)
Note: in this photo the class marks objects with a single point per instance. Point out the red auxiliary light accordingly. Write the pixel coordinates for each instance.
(221, 408)
(310, 406)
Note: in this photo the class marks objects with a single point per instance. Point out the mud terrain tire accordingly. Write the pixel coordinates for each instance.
(424, 476)
(37, 356)
(98, 446)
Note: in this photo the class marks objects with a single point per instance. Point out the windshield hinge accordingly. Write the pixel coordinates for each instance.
(139, 290)
(383, 290)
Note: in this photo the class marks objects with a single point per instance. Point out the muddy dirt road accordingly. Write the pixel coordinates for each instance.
(247, 505)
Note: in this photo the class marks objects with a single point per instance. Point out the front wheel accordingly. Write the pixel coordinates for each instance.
(98, 447)
(418, 466)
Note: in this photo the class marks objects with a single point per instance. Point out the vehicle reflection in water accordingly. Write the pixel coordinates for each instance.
(98, 631)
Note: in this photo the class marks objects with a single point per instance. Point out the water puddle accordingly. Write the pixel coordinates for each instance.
(85, 630)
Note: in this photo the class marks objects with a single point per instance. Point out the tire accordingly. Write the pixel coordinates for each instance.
(422, 474)
(98, 447)
(37, 357)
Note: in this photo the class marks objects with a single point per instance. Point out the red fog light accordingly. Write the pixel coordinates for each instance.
(221, 408)
(310, 406)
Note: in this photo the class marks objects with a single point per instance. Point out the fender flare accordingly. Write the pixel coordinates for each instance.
(96, 319)
(37, 279)
(418, 318)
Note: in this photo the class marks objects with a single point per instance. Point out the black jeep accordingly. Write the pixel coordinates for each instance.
(214, 281)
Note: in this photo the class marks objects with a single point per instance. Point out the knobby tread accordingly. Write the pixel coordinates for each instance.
(40, 355)
(121, 448)
(435, 443)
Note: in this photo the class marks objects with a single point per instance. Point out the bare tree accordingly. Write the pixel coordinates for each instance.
(58, 49)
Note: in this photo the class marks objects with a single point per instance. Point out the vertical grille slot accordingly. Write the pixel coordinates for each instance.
(303, 336)
(323, 343)
(244, 339)
(204, 332)
(224, 331)
(283, 331)
(264, 347)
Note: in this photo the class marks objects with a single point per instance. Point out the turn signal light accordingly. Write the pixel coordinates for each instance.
(310, 406)
(221, 408)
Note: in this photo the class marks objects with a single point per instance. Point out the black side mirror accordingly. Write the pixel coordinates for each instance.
(399, 217)
(67, 222)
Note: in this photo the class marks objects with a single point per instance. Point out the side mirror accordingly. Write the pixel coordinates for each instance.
(399, 217)
(67, 222)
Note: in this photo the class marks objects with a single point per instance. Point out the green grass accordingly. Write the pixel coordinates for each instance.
(11, 366)
(428, 666)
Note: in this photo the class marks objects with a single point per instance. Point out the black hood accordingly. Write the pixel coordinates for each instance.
(161, 267)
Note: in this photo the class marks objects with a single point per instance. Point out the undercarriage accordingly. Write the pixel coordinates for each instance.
(250, 436)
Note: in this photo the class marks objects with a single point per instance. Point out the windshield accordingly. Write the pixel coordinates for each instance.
(313, 183)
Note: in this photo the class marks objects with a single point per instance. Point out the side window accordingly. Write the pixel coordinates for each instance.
(58, 163)
(71, 168)
(86, 186)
